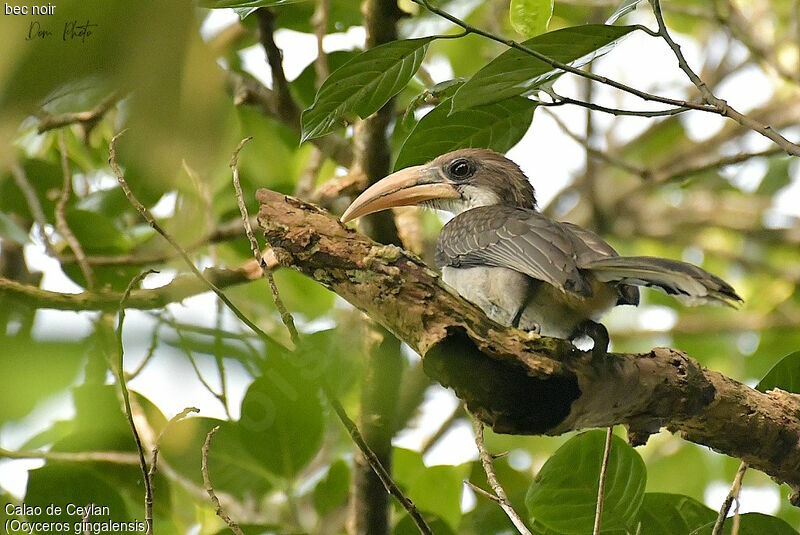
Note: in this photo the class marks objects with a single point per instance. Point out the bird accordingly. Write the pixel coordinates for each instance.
(520, 267)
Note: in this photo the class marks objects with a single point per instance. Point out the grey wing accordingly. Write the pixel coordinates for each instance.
(522, 240)
(592, 248)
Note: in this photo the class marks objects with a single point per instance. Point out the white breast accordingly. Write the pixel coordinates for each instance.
(503, 294)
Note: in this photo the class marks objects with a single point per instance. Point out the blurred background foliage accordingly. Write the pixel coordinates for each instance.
(187, 91)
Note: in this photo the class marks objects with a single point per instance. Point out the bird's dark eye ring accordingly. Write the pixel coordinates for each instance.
(460, 169)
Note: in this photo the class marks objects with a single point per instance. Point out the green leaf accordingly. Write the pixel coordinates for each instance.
(230, 466)
(62, 484)
(97, 233)
(498, 126)
(777, 176)
(514, 72)
(530, 17)
(331, 492)
(407, 526)
(10, 518)
(784, 375)
(31, 374)
(751, 524)
(434, 489)
(363, 85)
(668, 514)
(438, 490)
(304, 87)
(627, 6)
(760, 524)
(302, 295)
(111, 203)
(10, 230)
(245, 12)
(45, 179)
(343, 14)
(281, 420)
(563, 495)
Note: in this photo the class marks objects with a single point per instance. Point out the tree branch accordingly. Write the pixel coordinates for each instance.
(180, 288)
(210, 489)
(87, 119)
(147, 216)
(61, 218)
(283, 102)
(601, 486)
(491, 476)
(520, 383)
(722, 107)
(247, 91)
(126, 398)
(733, 495)
(563, 66)
(114, 457)
(714, 104)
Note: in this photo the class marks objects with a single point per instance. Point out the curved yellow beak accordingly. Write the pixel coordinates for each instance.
(406, 187)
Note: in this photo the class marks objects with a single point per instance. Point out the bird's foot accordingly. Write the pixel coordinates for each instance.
(596, 332)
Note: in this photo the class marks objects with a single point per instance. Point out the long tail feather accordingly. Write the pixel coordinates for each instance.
(685, 282)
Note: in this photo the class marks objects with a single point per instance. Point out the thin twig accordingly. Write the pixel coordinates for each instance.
(390, 486)
(491, 476)
(210, 489)
(308, 178)
(561, 100)
(663, 175)
(283, 101)
(219, 396)
(61, 219)
(737, 25)
(714, 105)
(157, 447)
(178, 289)
(115, 457)
(247, 91)
(736, 518)
(721, 107)
(226, 231)
(151, 350)
(21, 179)
(286, 317)
(443, 429)
(733, 495)
(145, 213)
(563, 66)
(88, 119)
(598, 513)
(87, 530)
(319, 20)
(482, 492)
(599, 154)
(148, 489)
(205, 194)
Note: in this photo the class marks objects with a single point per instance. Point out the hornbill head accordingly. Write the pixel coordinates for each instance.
(455, 182)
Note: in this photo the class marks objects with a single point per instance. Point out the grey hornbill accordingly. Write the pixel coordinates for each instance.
(520, 267)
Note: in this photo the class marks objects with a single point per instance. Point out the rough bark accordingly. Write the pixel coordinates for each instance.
(520, 383)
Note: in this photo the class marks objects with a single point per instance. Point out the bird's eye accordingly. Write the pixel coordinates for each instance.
(460, 169)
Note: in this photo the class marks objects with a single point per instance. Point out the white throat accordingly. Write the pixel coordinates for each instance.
(471, 197)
